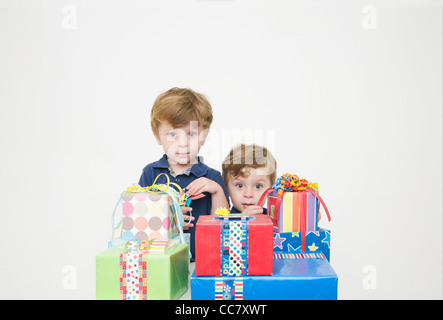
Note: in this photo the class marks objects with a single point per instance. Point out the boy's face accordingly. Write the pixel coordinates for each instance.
(182, 144)
(246, 191)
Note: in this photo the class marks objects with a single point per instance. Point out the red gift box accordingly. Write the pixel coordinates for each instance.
(209, 246)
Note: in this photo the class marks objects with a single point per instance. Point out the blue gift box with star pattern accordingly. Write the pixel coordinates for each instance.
(316, 242)
(294, 276)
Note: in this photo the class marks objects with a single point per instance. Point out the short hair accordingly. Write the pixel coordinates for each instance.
(248, 156)
(180, 106)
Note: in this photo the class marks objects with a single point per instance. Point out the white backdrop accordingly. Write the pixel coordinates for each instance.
(344, 93)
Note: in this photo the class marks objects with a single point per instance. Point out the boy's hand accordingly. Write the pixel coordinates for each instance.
(201, 185)
(187, 217)
(253, 209)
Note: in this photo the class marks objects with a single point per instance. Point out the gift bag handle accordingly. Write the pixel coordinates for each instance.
(277, 204)
(263, 196)
(315, 194)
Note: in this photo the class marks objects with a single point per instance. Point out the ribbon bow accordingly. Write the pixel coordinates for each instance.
(291, 182)
(152, 246)
(224, 212)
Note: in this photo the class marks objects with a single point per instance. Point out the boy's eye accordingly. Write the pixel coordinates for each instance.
(172, 134)
(258, 186)
(239, 185)
(192, 134)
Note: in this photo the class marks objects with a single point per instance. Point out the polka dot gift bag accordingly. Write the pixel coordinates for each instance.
(148, 213)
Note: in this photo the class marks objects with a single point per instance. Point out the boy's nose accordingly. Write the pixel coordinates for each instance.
(248, 193)
(182, 141)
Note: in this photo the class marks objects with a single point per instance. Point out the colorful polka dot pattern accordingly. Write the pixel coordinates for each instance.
(235, 259)
(133, 283)
(145, 216)
(234, 248)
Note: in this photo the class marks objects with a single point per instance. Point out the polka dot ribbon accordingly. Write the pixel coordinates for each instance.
(234, 248)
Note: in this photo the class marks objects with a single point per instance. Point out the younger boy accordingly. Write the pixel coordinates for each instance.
(248, 170)
(180, 121)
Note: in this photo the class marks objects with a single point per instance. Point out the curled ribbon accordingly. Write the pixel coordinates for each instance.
(183, 198)
(135, 188)
(291, 182)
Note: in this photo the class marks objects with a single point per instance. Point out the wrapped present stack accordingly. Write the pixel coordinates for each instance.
(148, 255)
(282, 255)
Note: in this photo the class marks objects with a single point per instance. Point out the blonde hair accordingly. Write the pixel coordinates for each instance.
(248, 156)
(179, 106)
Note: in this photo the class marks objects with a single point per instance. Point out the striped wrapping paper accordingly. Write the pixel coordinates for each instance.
(298, 211)
(299, 256)
(228, 288)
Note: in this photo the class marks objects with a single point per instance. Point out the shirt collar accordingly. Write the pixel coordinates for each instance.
(187, 172)
(199, 169)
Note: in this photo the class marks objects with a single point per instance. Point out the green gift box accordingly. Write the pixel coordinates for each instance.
(123, 274)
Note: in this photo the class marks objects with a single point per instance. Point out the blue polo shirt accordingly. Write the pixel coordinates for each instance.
(200, 206)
